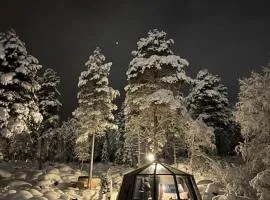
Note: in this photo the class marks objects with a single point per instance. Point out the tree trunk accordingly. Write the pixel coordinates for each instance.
(192, 153)
(174, 154)
(62, 154)
(139, 150)
(40, 152)
(155, 150)
(146, 149)
(81, 165)
(90, 172)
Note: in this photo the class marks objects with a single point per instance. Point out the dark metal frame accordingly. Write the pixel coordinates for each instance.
(189, 179)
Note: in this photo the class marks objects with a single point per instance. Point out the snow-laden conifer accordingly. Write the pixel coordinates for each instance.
(119, 137)
(49, 106)
(208, 100)
(155, 76)
(48, 97)
(94, 114)
(19, 110)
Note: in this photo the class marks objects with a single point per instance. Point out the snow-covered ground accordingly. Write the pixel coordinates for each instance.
(21, 180)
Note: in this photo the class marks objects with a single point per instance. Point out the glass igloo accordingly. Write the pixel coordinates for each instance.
(158, 181)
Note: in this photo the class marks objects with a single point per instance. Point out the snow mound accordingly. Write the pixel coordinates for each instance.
(15, 184)
(39, 198)
(90, 194)
(20, 175)
(65, 168)
(45, 184)
(220, 197)
(5, 174)
(70, 191)
(69, 178)
(11, 192)
(21, 195)
(35, 193)
(36, 175)
(51, 195)
(77, 173)
(54, 171)
(1, 154)
(52, 177)
(213, 188)
(65, 197)
(202, 189)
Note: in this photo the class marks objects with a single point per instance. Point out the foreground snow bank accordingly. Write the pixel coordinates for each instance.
(21, 180)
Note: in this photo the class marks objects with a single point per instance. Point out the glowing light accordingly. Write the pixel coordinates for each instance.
(150, 157)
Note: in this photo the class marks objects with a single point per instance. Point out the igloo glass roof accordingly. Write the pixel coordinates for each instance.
(160, 169)
(155, 174)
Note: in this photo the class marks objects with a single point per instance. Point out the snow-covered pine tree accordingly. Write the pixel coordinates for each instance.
(67, 135)
(109, 146)
(49, 106)
(95, 104)
(106, 147)
(19, 111)
(208, 100)
(253, 114)
(113, 145)
(119, 137)
(48, 97)
(154, 76)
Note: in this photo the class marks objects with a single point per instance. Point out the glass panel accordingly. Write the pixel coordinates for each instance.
(184, 188)
(162, 170)
(159, 169)
(166, 187)
(149, 170)
(144, 188)
(174, 170)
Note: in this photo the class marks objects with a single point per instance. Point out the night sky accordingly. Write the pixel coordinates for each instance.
(229, 38)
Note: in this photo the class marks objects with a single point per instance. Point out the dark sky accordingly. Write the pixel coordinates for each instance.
(230, 38)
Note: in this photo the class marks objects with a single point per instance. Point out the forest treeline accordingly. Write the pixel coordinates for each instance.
(156, 116)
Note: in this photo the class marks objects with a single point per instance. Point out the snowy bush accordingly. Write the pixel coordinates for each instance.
(262, 185)
(253, 113)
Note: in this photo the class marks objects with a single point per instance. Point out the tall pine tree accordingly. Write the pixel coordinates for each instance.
(113, 145)
(18, 86)
(48, 97)
(49, 106)
(95, 98)
(208, 100)
(119, 137)
(67, 137)
(155, 76)
(19, 110)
